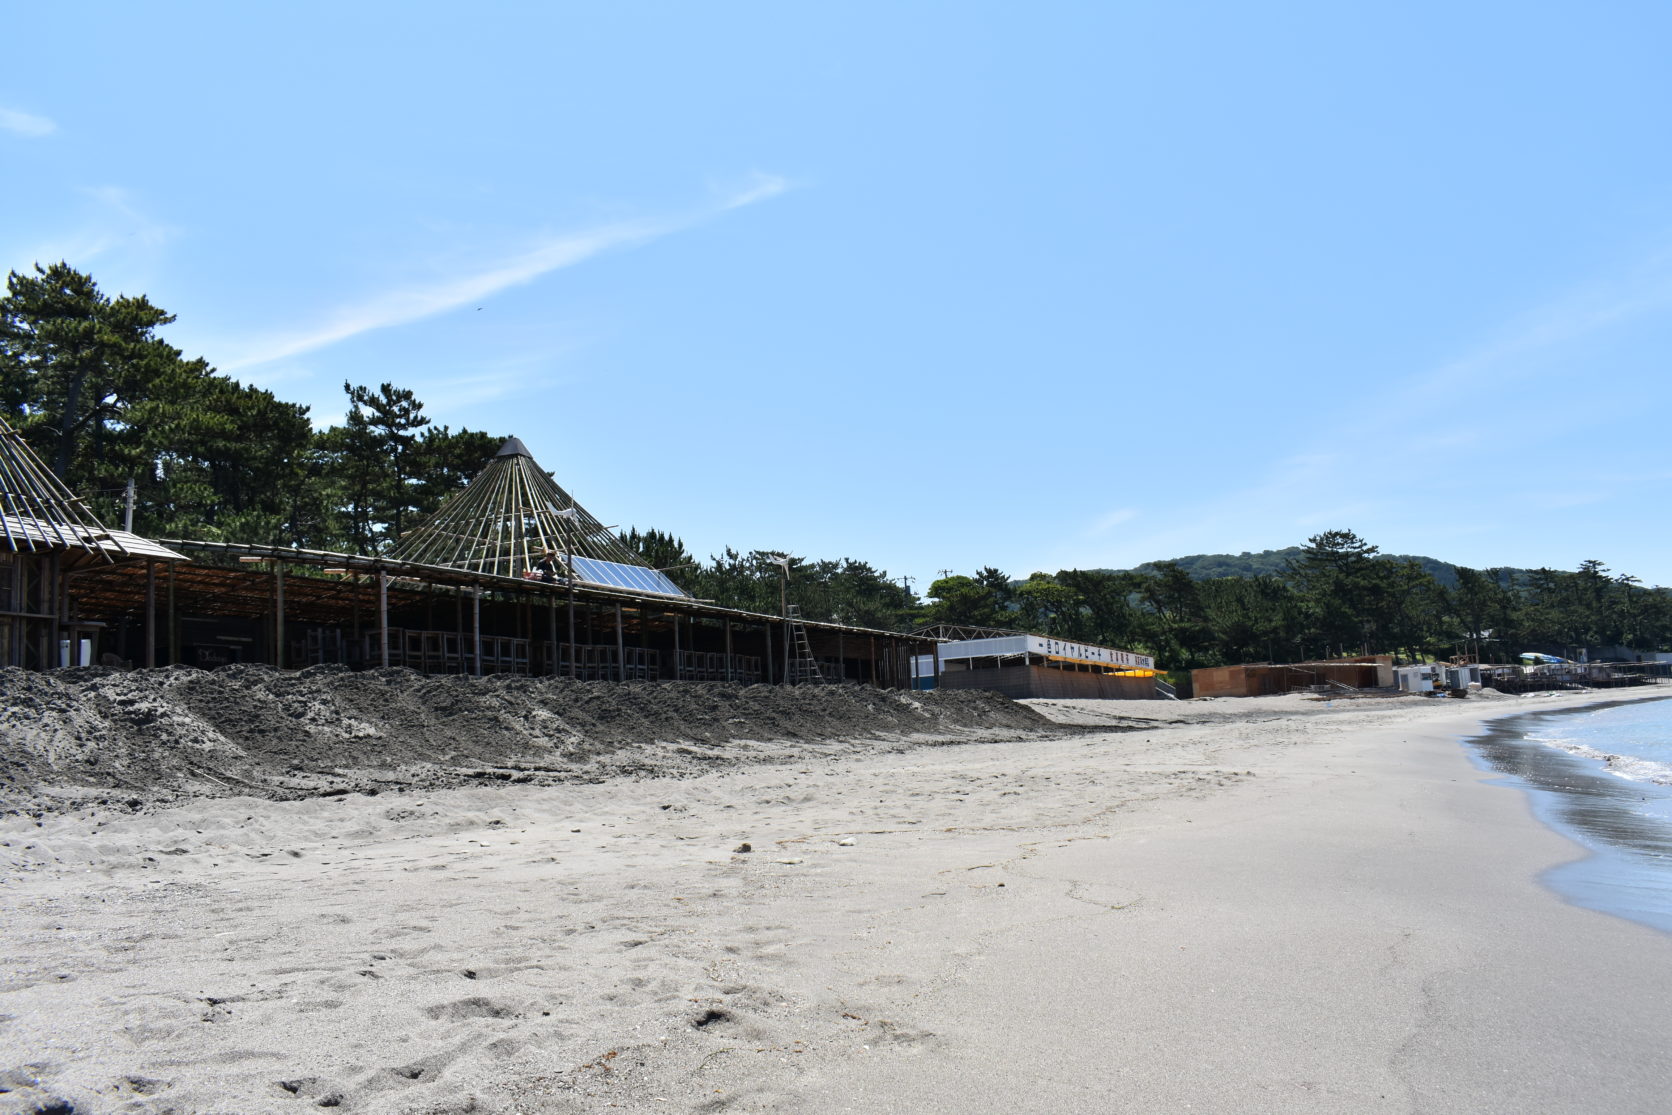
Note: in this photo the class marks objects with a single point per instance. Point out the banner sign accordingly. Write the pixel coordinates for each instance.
(1089, 652)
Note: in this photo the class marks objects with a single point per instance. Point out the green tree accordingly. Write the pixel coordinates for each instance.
(1336, 577)
(660, 550)
(73, 361)
(373, 465)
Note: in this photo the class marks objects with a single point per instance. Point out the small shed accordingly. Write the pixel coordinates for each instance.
(1262, 679)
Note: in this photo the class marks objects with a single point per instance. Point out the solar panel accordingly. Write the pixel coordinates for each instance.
(615, 574)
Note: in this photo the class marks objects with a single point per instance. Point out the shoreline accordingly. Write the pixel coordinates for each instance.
(1249, 906)
(1627, 868)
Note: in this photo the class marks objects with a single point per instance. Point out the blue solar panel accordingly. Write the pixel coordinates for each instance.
(634, 578)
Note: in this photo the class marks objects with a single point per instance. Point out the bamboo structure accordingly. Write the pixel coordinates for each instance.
(47, 534)
(507, 519)
(37, 512)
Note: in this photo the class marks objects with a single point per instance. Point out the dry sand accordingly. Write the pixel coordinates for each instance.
(1257, 905)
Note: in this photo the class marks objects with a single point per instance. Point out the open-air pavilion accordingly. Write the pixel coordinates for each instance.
(510, 575)
(48, 541)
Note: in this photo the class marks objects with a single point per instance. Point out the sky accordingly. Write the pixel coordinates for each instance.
(936, 286)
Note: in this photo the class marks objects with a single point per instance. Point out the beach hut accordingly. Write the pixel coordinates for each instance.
(1021, 665)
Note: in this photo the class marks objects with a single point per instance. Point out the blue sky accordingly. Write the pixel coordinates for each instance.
(933, 285)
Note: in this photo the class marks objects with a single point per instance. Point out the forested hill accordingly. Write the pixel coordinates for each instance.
(1204, 567)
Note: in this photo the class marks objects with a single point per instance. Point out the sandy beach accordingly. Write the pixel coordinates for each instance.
(1254, 905)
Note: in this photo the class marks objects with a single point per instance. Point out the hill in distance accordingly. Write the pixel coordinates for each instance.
(1204, 567)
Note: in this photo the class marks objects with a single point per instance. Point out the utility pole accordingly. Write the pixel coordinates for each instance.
(568, 517)
(782, 561)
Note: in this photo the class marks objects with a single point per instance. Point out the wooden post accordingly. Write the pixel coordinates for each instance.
(729, 676)
(574, 657)
(620, 647)
(173, 621)
(383, 619)
(458, 629)
(678, 671)
(150, 614)
(841, 658)
(551, 602)
(476, 623)
(766, 659)
(278, 615)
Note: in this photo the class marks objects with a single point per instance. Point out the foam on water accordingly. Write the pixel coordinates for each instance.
(1601, 776)
(1631, 741)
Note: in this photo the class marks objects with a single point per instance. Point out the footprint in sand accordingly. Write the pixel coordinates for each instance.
(476, 1006)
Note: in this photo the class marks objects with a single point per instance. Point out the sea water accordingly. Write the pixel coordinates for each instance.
(1602, 776)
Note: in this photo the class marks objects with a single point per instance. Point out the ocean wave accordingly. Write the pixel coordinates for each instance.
(1625, 766)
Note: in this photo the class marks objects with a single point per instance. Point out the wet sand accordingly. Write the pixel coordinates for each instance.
(1259, 905)
(1625, 824)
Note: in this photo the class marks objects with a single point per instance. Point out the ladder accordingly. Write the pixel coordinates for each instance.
(805, 668)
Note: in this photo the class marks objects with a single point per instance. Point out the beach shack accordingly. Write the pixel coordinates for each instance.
(1262, 679)
(1021, 665)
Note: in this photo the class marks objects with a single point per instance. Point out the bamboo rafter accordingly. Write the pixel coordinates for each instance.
(37, 512)
(506, 518)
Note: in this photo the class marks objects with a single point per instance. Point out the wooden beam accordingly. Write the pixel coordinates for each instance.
(150, 614)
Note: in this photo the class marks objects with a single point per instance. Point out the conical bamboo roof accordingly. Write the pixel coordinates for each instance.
(37, 512)
(507, 518)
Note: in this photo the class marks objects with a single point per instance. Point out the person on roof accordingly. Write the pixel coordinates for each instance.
(547, 566)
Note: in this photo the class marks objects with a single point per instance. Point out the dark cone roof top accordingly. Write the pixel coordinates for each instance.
(505, 519)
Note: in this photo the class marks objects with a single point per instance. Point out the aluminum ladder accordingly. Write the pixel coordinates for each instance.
(805, 668)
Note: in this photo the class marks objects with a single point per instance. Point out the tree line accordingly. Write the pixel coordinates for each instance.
(104, 400)
(1338, 596)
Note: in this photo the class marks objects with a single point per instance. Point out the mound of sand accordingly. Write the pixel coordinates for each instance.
(75, 737)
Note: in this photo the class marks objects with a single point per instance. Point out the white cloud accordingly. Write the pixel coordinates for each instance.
(760, 188)
(414, 303)
(25, 124)
(115, 221)
(400, 307)
(1103, 524)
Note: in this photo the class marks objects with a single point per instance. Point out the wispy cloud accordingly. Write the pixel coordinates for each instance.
(1346, 475)
(115, 220)
(759, 188)
(546, 255)
(25, 124)
(1107, 522)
